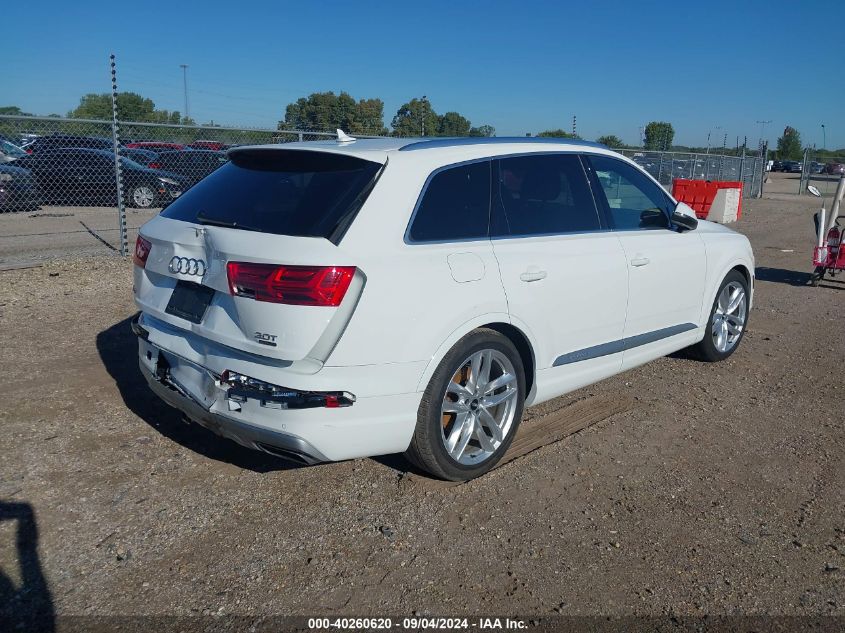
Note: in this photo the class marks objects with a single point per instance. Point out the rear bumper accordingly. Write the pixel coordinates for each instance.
(375, 425)
(254, 437)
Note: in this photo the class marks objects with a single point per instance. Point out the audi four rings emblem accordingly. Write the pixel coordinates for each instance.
(187, 266)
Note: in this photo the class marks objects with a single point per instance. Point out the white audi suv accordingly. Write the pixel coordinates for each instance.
(331, 300)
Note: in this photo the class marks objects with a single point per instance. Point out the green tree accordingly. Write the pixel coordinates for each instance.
(558, 134)
(369, 118)
(13, 111)
(416, 118)
(130, 107)
(659, 135)
(453, 124)
(327, 111)
(610, 140)
(482, 130)
(789, 145)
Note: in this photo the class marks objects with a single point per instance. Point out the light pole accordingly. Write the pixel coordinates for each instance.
(718, 127)
(184, 68)
(824, 137)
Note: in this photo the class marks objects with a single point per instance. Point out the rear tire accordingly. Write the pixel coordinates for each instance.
(817, 275)
(727, 321)
(471, 409)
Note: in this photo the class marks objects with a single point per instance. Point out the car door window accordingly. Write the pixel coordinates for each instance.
(543, 194)
(454, 206)
(633, 200)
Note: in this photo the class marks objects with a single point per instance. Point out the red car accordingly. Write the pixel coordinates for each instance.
(154, 145)
(216, 146)
(834, 168)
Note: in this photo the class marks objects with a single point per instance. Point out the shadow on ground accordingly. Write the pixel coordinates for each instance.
(782, 276)
(118, 349)
(28, 606)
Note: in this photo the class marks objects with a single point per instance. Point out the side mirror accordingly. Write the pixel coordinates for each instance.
(653, 218)
(814, 190)
(684, 222)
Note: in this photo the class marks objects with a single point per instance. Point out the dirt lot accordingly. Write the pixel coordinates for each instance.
(721, 490)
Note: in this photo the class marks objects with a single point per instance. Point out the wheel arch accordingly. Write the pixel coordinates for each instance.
(517, 336)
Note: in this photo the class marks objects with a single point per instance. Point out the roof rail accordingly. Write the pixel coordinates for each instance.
(418, 144)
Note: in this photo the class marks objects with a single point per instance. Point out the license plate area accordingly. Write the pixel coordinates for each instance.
(189, 301)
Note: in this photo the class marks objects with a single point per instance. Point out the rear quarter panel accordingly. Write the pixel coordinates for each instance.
(411, 304)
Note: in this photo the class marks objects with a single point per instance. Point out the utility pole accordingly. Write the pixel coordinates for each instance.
(184, 68)
(574, 126)
(762, 125)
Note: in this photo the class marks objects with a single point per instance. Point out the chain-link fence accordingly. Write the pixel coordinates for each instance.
(819, 168)
(667, 166)
(63, 177)
(60, 178)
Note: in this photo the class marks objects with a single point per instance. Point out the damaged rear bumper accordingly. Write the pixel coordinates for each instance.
(273, 442)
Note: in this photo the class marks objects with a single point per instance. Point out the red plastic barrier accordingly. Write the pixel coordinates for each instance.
(699, 194)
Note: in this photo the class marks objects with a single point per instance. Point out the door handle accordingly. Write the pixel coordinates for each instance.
(533, 275)
(640, 261)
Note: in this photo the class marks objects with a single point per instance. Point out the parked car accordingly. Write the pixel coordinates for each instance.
(306, 301)
(154, 145)
(834, 168)
(792, 166)
(216, 146)
(87, 176)
(18, 189)
(815, 168)
(144, 157)
(192, 166)
(58, 141)
(10, 152)
(777, 165)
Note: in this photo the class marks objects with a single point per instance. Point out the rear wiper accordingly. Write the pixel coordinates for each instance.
(229, 224)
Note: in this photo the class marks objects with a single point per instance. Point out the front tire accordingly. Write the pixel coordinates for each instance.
(471, 409)
(727, 321)
(143, 196)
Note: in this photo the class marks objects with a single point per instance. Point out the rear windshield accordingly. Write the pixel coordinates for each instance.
(286, 192)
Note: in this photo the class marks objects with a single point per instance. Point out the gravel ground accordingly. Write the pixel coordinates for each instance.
(719, 492)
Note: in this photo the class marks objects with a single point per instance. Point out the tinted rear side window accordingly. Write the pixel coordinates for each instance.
(286, 192)
(543, 195)
(454, 206)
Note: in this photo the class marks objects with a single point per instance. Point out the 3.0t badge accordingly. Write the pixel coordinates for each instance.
(187, 266)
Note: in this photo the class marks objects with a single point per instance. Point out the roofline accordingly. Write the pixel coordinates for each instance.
(494, 140)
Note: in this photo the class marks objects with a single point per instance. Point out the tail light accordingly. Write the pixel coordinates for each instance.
(833, 237)
(291, 285)
(142, 251)
(154, 165)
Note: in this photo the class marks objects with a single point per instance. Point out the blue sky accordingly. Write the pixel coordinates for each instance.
(519, 66)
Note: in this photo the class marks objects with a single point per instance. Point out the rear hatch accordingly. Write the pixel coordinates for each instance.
(249, 257)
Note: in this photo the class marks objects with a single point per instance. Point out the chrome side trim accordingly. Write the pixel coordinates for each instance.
(614, 347)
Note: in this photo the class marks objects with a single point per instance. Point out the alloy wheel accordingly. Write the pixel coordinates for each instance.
(729, 317)
(479, 407)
